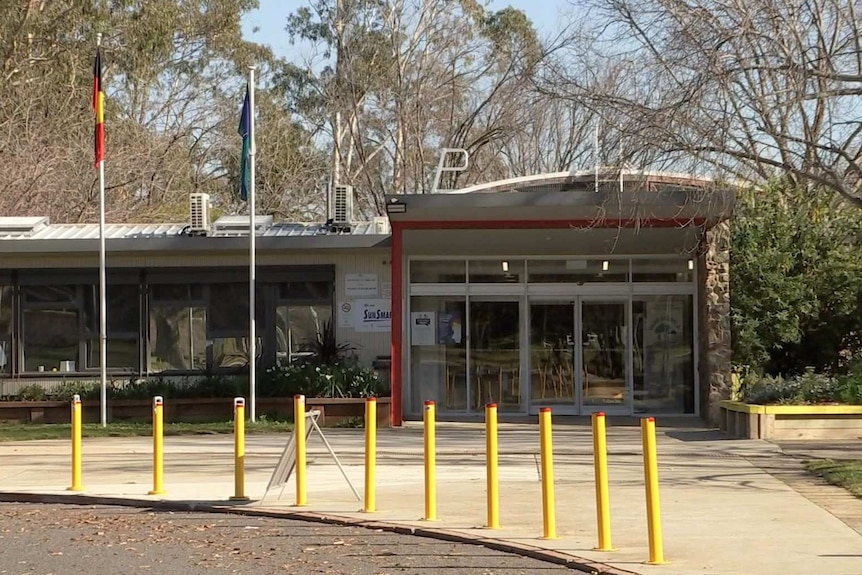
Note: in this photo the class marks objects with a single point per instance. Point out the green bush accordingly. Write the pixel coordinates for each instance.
(216, 386)
(344, 379)
(67, 390)
(810, 388)
(796, 280)
(850, 388)
(32, 393)
(333, 380)
(143, 389)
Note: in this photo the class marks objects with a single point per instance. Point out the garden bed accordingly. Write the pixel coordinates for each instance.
(334, 411)
(789, 422)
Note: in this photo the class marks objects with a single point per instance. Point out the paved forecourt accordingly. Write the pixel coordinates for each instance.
(721, 513)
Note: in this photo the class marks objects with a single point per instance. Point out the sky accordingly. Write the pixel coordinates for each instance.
(271, 18)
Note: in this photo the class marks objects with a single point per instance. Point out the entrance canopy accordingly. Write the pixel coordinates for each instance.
(631, 198)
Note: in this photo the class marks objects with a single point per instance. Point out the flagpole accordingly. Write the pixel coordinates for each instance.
(252, 340)
(103, 331)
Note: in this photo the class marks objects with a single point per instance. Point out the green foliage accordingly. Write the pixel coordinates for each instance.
(810, 388)
(210, 386)
(326, 349)
(343, 379)
(328, 380)
(67, 390)
(32, 393)
(846, 473)
(796, 281)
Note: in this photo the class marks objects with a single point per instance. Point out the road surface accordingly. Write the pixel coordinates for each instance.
(38, 539)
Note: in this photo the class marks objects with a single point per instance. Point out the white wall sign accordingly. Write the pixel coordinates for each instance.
(423, 328)
(345, 314)
(372, 315)
(385, 289)
(360, 285)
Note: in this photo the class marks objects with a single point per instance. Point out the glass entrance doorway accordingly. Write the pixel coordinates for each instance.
(579, 360)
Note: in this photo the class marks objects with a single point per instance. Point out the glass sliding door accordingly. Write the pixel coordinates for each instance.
(604, 353)
(438, 352)
(552, 358)
(495, 354)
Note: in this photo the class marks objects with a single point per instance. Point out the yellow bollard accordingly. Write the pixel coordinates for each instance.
(603, 506)
(656, 547)
(430, 463)
(548, 506)
(299, 430)
(492, 464)
(370, 455)
(239, 449)
(158, 446)
(76, 445)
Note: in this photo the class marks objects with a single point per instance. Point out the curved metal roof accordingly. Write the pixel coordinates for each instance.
(585, 180)
(610, 196)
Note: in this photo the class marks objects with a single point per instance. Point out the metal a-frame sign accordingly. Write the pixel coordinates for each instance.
(287, 462)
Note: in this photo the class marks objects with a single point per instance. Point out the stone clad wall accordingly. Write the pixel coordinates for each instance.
(714, 320)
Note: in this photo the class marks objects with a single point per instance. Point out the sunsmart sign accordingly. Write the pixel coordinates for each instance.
(373, 315)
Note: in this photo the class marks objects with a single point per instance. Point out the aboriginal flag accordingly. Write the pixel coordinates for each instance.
(99, 107)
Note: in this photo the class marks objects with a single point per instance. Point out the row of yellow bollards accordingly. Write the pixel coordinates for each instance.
(549, 524)
(656, 553)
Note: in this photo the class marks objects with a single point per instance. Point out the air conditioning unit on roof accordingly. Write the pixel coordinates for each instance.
(199, 213)
(342, 205)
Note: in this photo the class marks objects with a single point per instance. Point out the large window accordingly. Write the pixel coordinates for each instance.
(663, 355)
(578, 271)
(227, 325)
(665, 270)
(438, 271)
(123, 306)
(304, 309)
(49, 320)
(6, 325)
(176, 330)
(52, 329)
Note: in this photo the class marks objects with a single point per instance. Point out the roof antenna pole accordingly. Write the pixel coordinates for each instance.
(622, 163)
(596, 154)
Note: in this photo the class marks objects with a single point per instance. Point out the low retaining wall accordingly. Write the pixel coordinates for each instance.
(333, 410)
(789, 422)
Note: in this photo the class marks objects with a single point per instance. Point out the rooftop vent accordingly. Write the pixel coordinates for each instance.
(238, 225)
(22, 226)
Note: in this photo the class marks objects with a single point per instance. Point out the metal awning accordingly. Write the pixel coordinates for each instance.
(639, 198)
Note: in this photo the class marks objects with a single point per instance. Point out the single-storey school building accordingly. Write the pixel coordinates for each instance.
(577, 291)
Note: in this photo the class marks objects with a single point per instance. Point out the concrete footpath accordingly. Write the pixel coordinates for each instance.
(725, 509)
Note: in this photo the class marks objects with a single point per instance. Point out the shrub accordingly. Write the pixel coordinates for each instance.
(343, 379)
(334, 380)
(67, 390)
(850, 388)
(808, 388)
(216, 386)
(143, 389)
(32, 393)
(326, 350)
